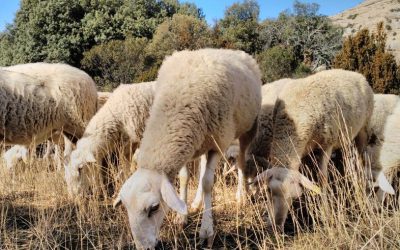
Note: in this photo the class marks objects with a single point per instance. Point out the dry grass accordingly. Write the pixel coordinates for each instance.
(36, 213)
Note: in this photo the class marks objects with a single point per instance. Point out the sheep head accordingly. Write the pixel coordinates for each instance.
(284, 185)
(147, 196)
(286, 182)
(73, 171)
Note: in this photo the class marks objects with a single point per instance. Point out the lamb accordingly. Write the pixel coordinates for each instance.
(15, 154)
(40, 98)
(56, 143)
(260, 146)
(384, 106)
(309, 114)
(204, 100)
(120, 122)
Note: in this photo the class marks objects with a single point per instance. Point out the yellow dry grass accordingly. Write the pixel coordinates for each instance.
(36, 213)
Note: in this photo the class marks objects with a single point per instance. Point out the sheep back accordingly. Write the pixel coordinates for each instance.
(41, 98)
(203, 98)
(314, 111)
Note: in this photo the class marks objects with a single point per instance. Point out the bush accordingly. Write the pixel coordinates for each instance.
(301, 71)
(115, 62)
(366, 53)
(179, 33)
(276, 63)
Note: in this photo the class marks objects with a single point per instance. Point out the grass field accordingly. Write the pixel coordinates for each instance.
(36, 213)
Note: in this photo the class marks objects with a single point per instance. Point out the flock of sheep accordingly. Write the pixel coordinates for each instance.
(203, 103)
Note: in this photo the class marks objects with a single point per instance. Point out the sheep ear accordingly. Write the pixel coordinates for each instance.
(306, 183)
(384, 184)
(170, 197)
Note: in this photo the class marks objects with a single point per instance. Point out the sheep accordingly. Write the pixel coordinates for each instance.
(37, 99)
(259, 148)
(390, 154)
(56, 142)
(204, 100)
(309, 114)
(384, 106)
(120, 122)
(15, 154)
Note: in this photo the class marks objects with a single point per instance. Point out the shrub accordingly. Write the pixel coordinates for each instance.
(366, 53)
(115, 62)
(276, 63)
(352, 17)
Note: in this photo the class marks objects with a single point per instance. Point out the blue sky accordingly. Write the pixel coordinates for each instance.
(214, 9)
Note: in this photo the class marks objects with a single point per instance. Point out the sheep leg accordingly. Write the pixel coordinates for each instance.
(183, 184)
(244, 142)
(198, 200)
(361, 142)
(206, 229)
(323, 165)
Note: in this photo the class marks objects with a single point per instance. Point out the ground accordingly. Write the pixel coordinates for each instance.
(36, 213)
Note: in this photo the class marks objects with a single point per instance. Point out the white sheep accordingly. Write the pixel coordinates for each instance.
(14, 155)
(50, 149)
(119, 123)
(204, 100)
(384, 107)
(390, 154)
(260, 146)
(38, 99)
(314, 113)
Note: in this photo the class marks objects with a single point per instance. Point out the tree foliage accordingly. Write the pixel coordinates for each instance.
(238, 29)
(62, 30)
(117, 61)
(365, 52)
(313, 37)
(276, 63)
(179, 33)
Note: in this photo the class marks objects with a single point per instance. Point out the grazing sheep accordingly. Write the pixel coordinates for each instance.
(389, 157)
(38, 99)
(259, 149)
(384, 106)
(204, 100)
(46, 150)
(309, 114)
(120, 122)
(15, 154)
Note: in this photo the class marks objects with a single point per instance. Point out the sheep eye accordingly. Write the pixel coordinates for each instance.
(153, 209)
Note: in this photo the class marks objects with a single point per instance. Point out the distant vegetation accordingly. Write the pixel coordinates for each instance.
(365, 52)
(125, 41)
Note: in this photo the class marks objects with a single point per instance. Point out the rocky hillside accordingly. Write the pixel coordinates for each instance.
(368, 14)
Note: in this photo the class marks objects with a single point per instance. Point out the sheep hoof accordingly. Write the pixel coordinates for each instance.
(209, 240)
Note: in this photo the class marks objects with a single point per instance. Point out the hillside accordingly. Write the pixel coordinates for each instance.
(368, 14)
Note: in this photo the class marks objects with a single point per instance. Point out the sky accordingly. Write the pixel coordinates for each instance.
(214, 9)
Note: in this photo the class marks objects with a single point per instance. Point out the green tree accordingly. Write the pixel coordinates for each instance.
(313, 37)
(179, 33)
(117, 61)
(61, 30)
(276, 63)
(239, 28)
